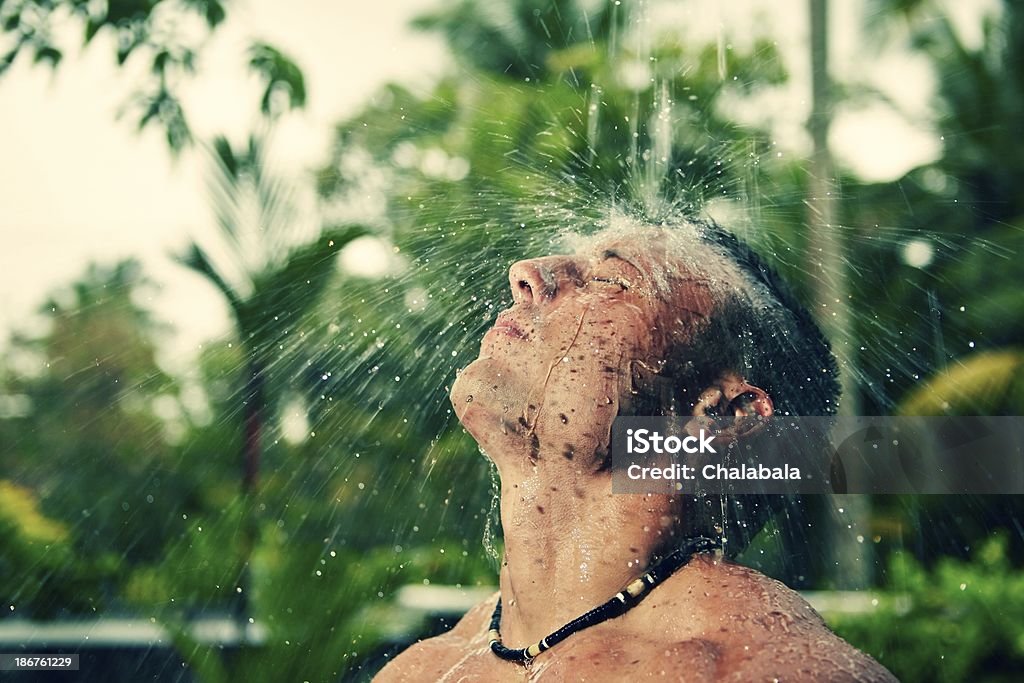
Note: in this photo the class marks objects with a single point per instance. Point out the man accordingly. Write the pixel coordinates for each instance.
(640, 320)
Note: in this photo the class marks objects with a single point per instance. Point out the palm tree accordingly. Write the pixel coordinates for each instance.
(270, 278)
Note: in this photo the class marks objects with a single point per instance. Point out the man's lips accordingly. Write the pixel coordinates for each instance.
(505, 325)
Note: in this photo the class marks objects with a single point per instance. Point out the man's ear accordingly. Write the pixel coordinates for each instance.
(735, 405)
(732, 396)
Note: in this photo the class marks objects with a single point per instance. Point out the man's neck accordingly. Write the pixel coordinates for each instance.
(570, 544)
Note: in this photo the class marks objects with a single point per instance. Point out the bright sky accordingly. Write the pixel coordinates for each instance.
(78, 185)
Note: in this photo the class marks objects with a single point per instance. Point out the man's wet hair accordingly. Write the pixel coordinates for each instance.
(763, 333)
(770, 338)
(757, 329)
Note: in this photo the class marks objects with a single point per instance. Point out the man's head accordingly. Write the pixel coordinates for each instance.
(646, 321)
(640, 320)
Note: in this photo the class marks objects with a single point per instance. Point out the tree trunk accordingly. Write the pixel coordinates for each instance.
(252, 445)
(252, 448)
(848, 559)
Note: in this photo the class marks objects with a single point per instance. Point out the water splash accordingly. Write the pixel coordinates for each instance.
(492, 527)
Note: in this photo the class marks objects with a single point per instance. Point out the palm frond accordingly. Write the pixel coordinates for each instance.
(986, 383)
(196, 259)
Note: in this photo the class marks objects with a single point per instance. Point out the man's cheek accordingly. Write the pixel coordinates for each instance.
(578, 423)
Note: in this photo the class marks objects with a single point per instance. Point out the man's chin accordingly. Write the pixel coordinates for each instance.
(485, 402)
(463, 388)
(471, 392)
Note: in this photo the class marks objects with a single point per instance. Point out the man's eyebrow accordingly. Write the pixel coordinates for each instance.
(611, 253)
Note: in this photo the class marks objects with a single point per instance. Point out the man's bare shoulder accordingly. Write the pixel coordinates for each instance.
(761, 628)
(430, 659)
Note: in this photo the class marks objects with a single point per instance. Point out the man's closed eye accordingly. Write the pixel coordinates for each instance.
(621, 282)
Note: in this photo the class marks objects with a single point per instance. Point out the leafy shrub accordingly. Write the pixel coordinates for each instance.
(964, 621)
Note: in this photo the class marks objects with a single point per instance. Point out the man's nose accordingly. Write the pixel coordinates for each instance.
(541, 279)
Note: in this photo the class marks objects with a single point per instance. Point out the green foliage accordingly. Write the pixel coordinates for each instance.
(281, 76)
(965, 206)
(986, 383)
(92, 428)
(518, 39)
(32, 546)
(169, 35)
(981, 92)
(581, 127)
(200, 564)
(960, 621)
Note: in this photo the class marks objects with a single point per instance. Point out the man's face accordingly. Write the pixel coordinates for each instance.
(554, 368)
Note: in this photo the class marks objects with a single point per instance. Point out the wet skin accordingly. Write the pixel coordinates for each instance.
(711, 621)
(552, 375)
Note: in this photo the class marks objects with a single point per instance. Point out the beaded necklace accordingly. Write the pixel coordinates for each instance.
(623, 601)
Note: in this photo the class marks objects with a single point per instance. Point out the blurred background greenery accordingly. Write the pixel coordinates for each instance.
(308, 466)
